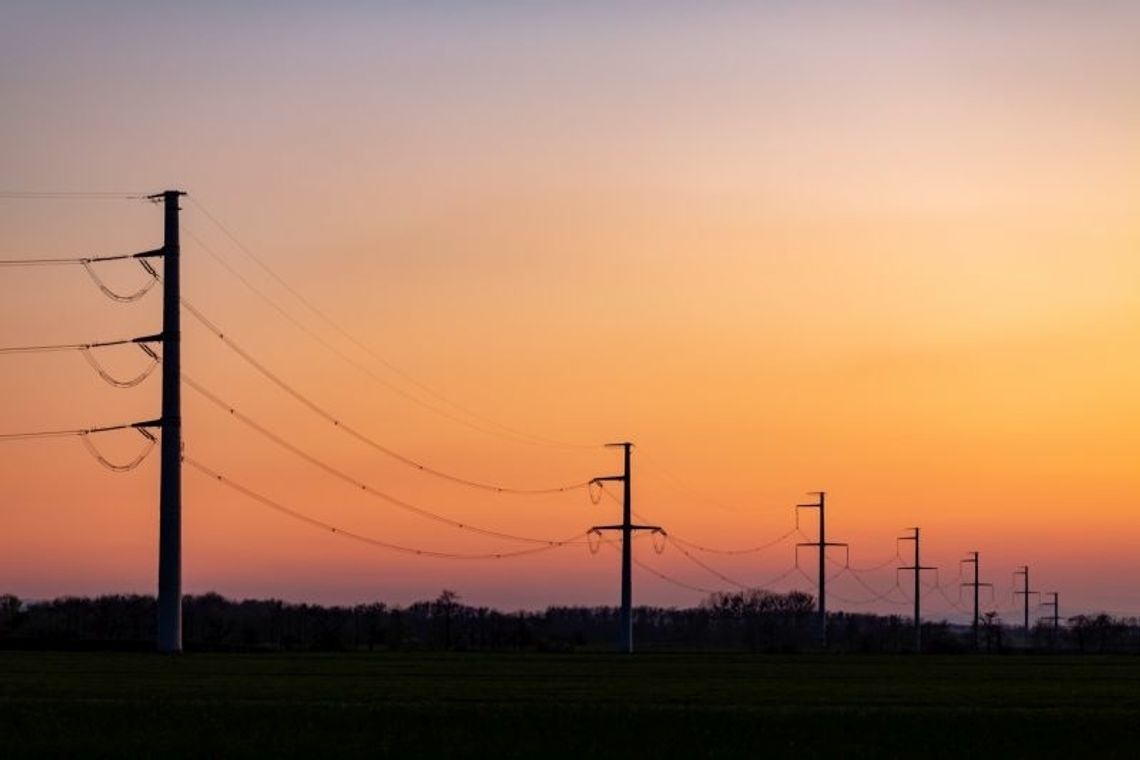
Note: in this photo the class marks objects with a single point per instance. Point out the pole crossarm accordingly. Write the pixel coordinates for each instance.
(654, 528)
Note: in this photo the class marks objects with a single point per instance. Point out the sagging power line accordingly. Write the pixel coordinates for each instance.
(297, 515)
(86, 351)
(351, 431)
(350, 480)
(474, 420)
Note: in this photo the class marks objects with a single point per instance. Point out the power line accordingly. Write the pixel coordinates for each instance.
(680, 487)
(69, 196)
(339, 474)
(347, 429)
(63, 347)
(79, 261)
(702, 548)
(84, 435)
(324, 317)
(330, 347)
(707, 568)
(867, 568)
(65, 433)
(749, 550)
(877, 595)
(86, 348)
(669, 579)
(654, 571)
(279, 507)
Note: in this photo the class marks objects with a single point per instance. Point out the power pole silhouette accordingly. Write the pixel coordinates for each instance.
(170, 490)
(821, 544)
(1025, 592)
(625, 634)
(973, 560)
(1056, 616)
(917, 567)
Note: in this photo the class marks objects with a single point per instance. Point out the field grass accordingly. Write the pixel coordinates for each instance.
(571, 705)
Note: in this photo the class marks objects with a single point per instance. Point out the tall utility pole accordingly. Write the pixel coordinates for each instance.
(170, 490)
(1025, 592)
(973, 560)
(625, 635)
(1056, 616)
(821, 544)
(917, 567)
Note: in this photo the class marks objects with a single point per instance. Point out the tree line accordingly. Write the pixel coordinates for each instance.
(756, 621)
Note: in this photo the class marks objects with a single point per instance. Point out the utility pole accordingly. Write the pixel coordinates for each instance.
(625, 635)
(917, 567)
(1025, 592)
(973, 560)
(821, 544)
(170, 490)
(1056, 616)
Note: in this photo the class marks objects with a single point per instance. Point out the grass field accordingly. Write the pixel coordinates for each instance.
(573, 705)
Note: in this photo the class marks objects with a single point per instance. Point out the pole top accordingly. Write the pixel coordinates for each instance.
(626, 444)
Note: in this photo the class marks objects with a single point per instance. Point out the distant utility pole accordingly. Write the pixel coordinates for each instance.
(917, 567)
(170, 490)
(625, 635)
(1056, 616)
(973, 560)
(821, 544)
(1025, 592)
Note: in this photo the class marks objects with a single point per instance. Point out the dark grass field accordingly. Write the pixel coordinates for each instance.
(573, 705)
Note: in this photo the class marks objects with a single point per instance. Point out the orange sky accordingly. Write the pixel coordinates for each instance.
(890, 254)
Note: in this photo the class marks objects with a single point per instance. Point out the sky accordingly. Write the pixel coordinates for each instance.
(888, 251)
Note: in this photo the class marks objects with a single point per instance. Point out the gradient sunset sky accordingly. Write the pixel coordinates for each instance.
(890, 250)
